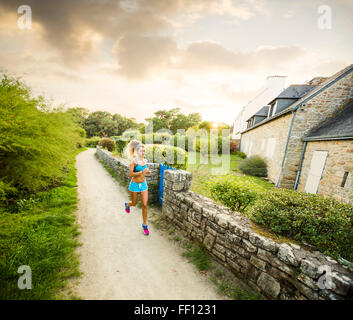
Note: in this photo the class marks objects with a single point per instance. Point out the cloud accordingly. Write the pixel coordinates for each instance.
(206, 54)
(138, 55)
(74, 28)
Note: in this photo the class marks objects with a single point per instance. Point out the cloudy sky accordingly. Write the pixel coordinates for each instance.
(135, 57)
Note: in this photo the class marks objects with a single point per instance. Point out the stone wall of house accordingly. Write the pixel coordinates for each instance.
(339, 160)
(122, 167)
(278, 271)
(258, 141)
(314, 113)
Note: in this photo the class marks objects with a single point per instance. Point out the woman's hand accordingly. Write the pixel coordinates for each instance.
(146, 171)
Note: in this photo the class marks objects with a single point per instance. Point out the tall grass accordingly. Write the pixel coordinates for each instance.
(40, 233)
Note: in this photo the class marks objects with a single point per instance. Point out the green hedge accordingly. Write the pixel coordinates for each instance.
(236, 193)
(157, 152)
(92, 142)
(322, 222)
(254, 166)
(240, 154)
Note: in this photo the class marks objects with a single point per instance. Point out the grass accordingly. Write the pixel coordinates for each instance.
(42, 234)
(111, 171)
(199, 256)
(201, 173)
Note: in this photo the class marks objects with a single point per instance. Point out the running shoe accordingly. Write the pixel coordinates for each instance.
(145, 229)
(127, 208)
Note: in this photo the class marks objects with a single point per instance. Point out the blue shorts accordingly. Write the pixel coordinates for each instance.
(138, 187)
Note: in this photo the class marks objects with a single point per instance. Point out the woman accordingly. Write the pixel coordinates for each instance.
(138, 171)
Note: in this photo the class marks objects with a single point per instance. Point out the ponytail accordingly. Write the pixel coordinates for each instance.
(133, 146)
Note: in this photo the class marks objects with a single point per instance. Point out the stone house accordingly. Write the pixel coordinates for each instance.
(318, 120)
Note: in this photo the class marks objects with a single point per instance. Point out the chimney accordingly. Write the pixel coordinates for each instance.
(317, 80)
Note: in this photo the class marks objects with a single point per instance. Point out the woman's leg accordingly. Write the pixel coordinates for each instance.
(133, 201)
(144, 199)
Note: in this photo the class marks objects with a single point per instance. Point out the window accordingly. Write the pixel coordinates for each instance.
(344, 179)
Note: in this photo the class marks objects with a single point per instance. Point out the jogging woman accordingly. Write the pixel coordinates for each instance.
(138, 184)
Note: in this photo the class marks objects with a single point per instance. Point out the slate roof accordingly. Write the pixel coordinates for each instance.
(262, 112)
(309, 95)
(339, 126)
(294, 91)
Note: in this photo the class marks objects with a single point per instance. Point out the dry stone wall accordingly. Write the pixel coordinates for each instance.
(278, 271)
(122, 166)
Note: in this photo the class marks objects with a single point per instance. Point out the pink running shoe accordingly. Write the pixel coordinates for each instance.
(127, 208)
(145, 229)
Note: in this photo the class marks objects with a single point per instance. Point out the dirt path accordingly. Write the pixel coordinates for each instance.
(117, 260)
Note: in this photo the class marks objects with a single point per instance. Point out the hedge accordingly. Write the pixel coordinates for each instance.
(320, 221)
(234, 192)
(157, 153)
(254, 166)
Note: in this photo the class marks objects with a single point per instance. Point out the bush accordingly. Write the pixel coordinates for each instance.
(254, 166)
(236, 193)
(157, 153)
(107, 143)
(322, 222)
(92, 142)
(178, 137)
(240, 154)
(36, 140)
(120, 144)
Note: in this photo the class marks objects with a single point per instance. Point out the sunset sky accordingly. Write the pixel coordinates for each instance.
(135, 57)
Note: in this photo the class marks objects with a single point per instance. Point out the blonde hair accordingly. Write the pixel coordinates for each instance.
(134, 146)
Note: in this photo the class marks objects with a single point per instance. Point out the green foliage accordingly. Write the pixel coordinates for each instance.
(92, 142)
(237, 293)
(240, 154)
(199, 256)
(322, 222)
(167, 155)
(120, 145)
(107, 143)
(36, 141)
(41, 233)
(254, 166)
(173, 120)
(235, 192)
(102, 123)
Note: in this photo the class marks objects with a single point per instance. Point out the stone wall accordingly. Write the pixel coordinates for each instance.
(278, 271)
(339, 160)
(122, 166)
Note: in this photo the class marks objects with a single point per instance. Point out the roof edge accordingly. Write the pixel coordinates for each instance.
(311, 94)
(320, 138)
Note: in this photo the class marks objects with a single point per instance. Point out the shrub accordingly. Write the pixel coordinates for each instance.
(240, 154)
(36, 140)
(322, 222)
(165, 154)
(178, 137)
(120, 144)
(254, 166)
(107, 143)
(236, 193)
(92, 142)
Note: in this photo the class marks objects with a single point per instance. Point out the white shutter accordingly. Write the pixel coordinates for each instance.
(317, 166)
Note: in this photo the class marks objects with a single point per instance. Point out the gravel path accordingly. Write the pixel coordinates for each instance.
(117, 260)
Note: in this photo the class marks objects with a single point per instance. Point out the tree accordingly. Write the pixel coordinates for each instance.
(79, 115)
(173, 120)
